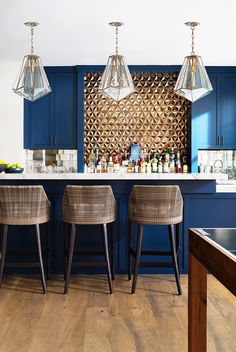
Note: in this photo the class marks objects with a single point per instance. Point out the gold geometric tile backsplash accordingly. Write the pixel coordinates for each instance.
(152, 116)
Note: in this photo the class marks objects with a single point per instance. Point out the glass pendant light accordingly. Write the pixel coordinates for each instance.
(31, 82)
(116, 81)
(193, 82)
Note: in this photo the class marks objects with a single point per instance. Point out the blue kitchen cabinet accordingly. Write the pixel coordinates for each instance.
(205, 120)
(228, 110)
(50, 122)
(214, 116)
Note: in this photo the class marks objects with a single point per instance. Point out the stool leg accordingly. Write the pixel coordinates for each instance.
(48, 249)
(40, 258)
(113, 240)
(137, 259)
(3, 251)
(72, 243)
(130, 258)
(106, 253)
(174, 257)
(178, 244)
(65, 226)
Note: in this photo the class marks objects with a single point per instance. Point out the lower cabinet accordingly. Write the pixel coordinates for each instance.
(202, 208)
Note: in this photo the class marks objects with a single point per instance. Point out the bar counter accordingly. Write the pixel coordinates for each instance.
(112, 176)
(208, 202)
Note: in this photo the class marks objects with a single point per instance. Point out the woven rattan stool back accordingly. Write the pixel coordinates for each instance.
(160, 205)
(88, 205)
(23, 205)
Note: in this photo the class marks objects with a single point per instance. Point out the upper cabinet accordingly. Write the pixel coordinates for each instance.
(205, 119)
(214, 116)
(228, 111)
(50, 122)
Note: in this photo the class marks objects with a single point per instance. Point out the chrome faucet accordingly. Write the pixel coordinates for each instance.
(218, 166)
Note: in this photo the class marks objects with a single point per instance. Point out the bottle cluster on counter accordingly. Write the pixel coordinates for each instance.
(137, 161)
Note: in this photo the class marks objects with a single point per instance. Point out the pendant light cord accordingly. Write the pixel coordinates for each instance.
(32, 39)
(117, 40)
(193, 52)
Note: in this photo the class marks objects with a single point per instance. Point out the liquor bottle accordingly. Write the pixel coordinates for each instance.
(96, 156)
(136, 167)
(166, 158)
(149, 165)
(130, 168)
(91, 162)
(143, 166)
(104, 164)
(178, 163)
(117, 159)
(172, 161)
(185, 165)
(160, 166)
(154, 163)
(166, 165)
(110, 166)
(85, 168)
(98, 168)
(126, 160)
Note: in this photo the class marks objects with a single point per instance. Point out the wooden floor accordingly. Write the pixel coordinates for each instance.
(88, 319)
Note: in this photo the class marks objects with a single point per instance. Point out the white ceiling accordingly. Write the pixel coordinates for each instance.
(76, 32)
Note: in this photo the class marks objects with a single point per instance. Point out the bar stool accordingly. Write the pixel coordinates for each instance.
(88, 205)
(23, 205)
(155, 205)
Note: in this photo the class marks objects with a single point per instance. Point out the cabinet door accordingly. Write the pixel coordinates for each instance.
(228, 111)
(50, 122)
(205, 122)
(64, 111)
(38, 122)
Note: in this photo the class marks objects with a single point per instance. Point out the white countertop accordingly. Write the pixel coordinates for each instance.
(114, 176)
(226, 186)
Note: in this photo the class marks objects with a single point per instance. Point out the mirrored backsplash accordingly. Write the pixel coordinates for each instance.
(217, 161)
(51, 161)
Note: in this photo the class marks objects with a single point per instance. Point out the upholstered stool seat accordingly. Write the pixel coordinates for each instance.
(23, 205)
(88, 205)
(155, 205)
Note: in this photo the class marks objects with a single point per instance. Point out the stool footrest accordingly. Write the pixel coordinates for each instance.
(151, 252)
(89, 264)
(22, 265)
(88, 252)
(23, 253)
(156, 264)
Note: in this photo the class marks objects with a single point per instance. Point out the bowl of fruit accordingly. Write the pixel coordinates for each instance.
(14, 169)
(2, 165)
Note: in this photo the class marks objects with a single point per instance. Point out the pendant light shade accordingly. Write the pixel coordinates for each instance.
(116, 82)
(31, 82)
(193, 82)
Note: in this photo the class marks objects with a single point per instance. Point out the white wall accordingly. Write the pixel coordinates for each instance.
(11, 115)
(76, 32)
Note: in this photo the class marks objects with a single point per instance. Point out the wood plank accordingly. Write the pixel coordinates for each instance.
(90, 319)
